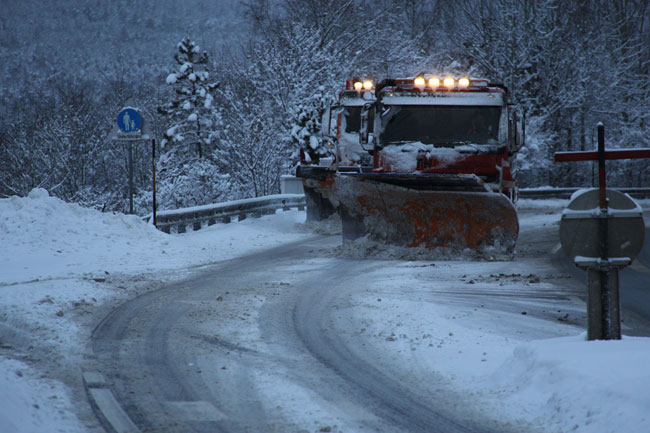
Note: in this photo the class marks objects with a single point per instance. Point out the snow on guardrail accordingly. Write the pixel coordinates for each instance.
(550, 192)
(177, 220)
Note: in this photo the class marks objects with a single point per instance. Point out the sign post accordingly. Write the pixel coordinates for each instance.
(153, 172)
(603, 231)
(129, 121)
(131, 127)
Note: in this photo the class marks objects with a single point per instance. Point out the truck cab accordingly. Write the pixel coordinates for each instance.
(428, 124)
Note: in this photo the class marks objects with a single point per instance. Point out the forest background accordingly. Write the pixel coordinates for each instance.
(232, 89)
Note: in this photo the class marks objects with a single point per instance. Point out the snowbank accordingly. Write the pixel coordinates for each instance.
(46, 238)
(59, 262)
(570, 384)
(31, 404)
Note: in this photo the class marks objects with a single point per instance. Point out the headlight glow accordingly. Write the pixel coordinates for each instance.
(419, 82)
(358, 85)
(449, 82)
(463, 82)
(367, 85)
(434, 82)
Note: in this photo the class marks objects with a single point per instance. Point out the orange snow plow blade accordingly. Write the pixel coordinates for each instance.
(454, 211)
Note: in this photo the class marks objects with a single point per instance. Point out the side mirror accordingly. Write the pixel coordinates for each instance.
(520, 129)
(517, 130)
(365, 121)
(326, 127)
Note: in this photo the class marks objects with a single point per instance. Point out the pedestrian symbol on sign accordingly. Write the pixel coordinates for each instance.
(129, 120)
(126, 120)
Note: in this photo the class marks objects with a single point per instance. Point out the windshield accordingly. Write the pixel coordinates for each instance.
(353, 119)
(440, 125)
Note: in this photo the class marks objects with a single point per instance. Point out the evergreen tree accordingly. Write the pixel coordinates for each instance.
(191, 112)
(189, 175)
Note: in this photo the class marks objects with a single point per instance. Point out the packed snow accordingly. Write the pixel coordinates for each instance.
(60, 262)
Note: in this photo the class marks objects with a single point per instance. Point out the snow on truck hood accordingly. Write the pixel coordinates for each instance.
(403, 157)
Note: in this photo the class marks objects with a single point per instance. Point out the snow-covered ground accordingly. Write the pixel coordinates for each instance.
(63, 266)
(60, 262)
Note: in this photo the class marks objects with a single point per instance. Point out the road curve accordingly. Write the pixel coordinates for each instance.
(383, 393)
(249, 346)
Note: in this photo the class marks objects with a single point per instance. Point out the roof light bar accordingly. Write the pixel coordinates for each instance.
(430, 82)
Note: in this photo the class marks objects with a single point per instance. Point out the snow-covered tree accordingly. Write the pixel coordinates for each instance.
(196, 183)
(191, 112)
(570, 64)
(313, 47)
(271, 102)
(306, 130)
(188, 173)
(252, 150)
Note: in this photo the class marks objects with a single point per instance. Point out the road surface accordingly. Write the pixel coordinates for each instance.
(270, 342)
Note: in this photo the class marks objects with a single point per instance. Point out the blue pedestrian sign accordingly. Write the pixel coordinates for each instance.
(129, 120)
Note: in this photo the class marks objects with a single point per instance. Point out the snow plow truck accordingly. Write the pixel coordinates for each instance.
(341, 126)
(442, 150)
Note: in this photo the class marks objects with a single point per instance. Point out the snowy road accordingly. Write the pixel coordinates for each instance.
(301, 339)
(262, 326)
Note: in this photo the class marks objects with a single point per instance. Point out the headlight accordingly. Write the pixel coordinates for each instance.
(434, 82)
(367, 85)
(358, 85)
(448, 82)
(419, 82)
(463, 82)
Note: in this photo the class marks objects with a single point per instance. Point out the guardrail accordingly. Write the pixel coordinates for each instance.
(179, 219)
(566, 192)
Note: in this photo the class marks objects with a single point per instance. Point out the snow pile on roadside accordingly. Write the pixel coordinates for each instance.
(46, 238)
(570, 384)
(59, 262)
(30, 404)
